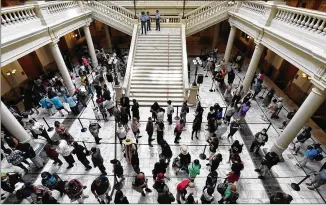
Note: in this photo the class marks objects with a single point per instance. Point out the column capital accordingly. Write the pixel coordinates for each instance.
(319, 86)
(258, 43)
(54, 42)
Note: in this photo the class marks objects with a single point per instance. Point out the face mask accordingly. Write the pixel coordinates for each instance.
(263, 132)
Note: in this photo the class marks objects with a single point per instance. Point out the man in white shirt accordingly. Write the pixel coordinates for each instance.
(38, 129)
(121, 133)
(109, 105)
(160, 115)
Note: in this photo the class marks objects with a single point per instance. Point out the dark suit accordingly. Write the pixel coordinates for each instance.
(124, 102)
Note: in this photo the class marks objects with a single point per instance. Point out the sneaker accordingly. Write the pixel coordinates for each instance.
(311, 187)
(86, 196)
(176, 142)
(62, 115)
(179, 202)
(261, 177)
(54, 163)
(60, 164)
(88, 168)
(151, 145)
(208, 164)
(148, 190)
(70, 166)
(257, 170)
(309, 184)
(139, 137)
(143, 193)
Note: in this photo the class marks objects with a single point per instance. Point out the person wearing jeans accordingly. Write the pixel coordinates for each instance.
(170, 110)
(182, 189)
(157, 19)
(143, 20)
(318, 180)
(178, 130)
(16, 158)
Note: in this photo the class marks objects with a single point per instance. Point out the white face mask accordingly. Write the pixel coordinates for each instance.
(263, 132)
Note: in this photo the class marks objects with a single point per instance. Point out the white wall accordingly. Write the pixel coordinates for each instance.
(303, 83)
(5, 87)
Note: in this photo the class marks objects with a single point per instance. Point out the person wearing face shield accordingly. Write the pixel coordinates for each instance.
(260, 139)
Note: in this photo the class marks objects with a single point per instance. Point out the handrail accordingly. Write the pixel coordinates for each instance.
(132, 51)
(202, 8)
(17, 14)
(110, 3)
(16, 8)
(167, 19)
(184, 62)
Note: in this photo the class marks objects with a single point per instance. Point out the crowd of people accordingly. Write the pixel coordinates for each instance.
(47, 92)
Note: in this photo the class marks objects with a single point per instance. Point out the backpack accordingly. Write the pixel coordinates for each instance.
(318, 157)
(290, 115)
(221, 187)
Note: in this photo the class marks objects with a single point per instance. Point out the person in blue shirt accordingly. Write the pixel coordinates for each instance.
(158, 18)
(46, 104)
(143, 20)
(72, 104)
(148, 21)
(58, 105)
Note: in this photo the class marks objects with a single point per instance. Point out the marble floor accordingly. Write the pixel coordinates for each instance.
(250, 188)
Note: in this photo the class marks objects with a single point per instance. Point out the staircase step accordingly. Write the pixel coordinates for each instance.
(143, 68)
(155, 75)
(159, 100)
(157, 79)
(160, 57)
(155, 86)
(154, 44)
(163, 41)
(154, 51)
(146, 72)
(166, 94)
(154, 60)
(137, 90)
(161, 49)
(155, 36)
(166, 83)
(156, 64)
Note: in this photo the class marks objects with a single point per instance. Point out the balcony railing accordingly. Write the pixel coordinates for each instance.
(257, 8)
(303, 20)
(202, 9)
(17, 14)
(167, 19)
(118, 8)
(57, 7)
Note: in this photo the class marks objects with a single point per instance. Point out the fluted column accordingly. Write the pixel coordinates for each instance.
(90, 44)
(252, 66)
(62, 67)
(13, 126)
(315, 98)
(229, 44)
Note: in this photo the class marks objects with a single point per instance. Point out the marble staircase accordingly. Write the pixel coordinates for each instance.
(157, 68)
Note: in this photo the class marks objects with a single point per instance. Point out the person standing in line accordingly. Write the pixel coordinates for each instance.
(195, 127)
(64, 149)
(39, 130)
(100, 188)
(16, 158)
(94, 129)
(140, 184)
(124, 102)
(213, 145)
(170, 111)
(267, 100)
(74, 190)
(301, 139)
(160, 115)
(319, 179)
(183, 113)
(194, 169)
(148, 21)
(243, 110)
(143, 20)
(231, 77)
(81, 155)
(157, 19)
(62, 131)
(135, 128)
(178, 130)
(135, 109)
(257, 88)
(289, 117)
(154, 110)
(160, 131)
(271, 159)
(121, 133)
(166, 152)
(120, 198)
(234, 127)
(260, 139)
(117, 169)
(181, 189)
(97, 159)
(150, 130)
(58, 105)
(53, 181)
(310, 155)
(236, 149)
(237, 95)
(229, 113)
(52, 154)
(159, 167)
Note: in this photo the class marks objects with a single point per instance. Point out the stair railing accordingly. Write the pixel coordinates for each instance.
(131, 58)
(184, 63)
(214, 10)
(202, 9)
(118, 8)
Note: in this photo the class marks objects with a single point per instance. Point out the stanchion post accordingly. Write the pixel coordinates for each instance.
(177, 116)
(202, 156)
(93, 102)
(84, 129)
(49, 128)
(270, 124)
(262, 96)
(296, 186)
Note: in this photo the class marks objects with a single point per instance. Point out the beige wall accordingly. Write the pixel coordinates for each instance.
(45, 56)
(14, 79)
(303, 83)
(273, 59)
(5, 87)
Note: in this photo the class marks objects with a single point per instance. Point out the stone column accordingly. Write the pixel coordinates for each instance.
(90, 44)
(315, 98)
(216, 35)
(13, 126)
(230, 44)
(107, 35)
(62, 67)
(252, 66)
